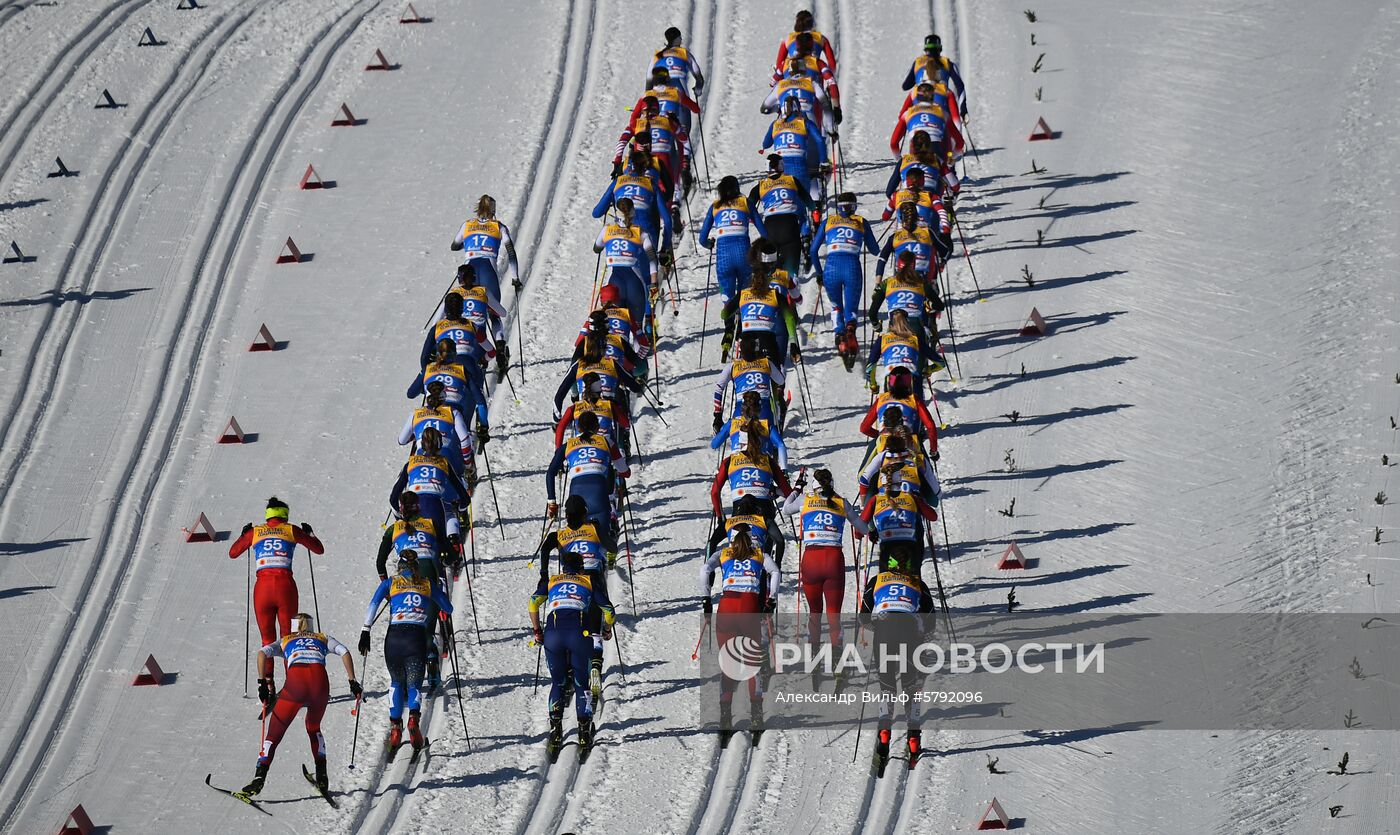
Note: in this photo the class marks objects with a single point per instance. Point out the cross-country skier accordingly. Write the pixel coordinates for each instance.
(822, 516)
(415, 532)
(484, 312)
(463, 388)
(597, 471)
(798, 140)
(938, 174)
(275, 592)
(751, 371)
(749, 586)
(787, 210)
(571, 604)
(629, 253)
(898, 454)
(762, 313)
(594, 360)
(900, 607)
(640, 183)
(930, 213)
(934, 59)
(924, 115)
(732, 436)
(752, 471)
(805, 86)
(595, 548)
(671, 98)
(409, 594)
(843, 233)
(804, 53)
(435, 413)
(307, 687)
(679, 61)
(613, 420)
(900, 395)
(895, 513)
(909, 291)
(664, 137)
(725, 229)
(481, 240)
(473, 346)
(440, 491)
(787, 47)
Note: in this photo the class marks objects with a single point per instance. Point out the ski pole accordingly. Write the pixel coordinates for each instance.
(519, 340)
(471, 534)
(355, 739)
(705, 317)
(704, 154)
(807, 398)
(627, 536)
(315, 604)
(938, 579)
(248, 625)
(695, 656)
(440, 301)
(968, 255)
(617, 640)
(457, 675)
(471, 596)
(491, 480)
(654, 405)
(539, 652)
(859, 726)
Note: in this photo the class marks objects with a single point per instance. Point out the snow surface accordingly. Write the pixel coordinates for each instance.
(1201, 431)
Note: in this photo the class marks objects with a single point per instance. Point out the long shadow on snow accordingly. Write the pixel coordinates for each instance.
(1057, 181)
(1101, 602)
(1052, 243)
(1049, 283)
(1063, 211)
(1039, 738)
(1023, 537)
(56, 298)
(1008, 380)
(1038, 472)
(982, 584)
(12, 548)
(1055, 325)
(974, 427)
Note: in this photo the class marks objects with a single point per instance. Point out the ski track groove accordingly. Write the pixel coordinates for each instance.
(55, 78)
(56, 713)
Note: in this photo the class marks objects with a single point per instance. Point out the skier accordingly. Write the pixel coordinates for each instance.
(672, 100)
(787, 210)
(571, 605)
(664, 138)
(594, 547)
(752, 471)
(679, 62)
(934, 59)
(929, 215)
(416, 533)
(822, 515)
(899, 605)
(900, 395)
(804, 52)
(484, 312)
(750, 372)
(620, 348)
(923, 115)
(472, 345)
(480, 240)
(899, 454)
(744, 596)
(894, 514)
(938, 175)
(597, 472)
(435, 413)
(463, 388)
(733, 434)
(618, 321)
(729, 219)
(593, 360)
(628, 252)
(843, 233)
(306, 686)
(801, 84)
(613, 420)
(641, 184)
(909, 291)
(787, 47)
(440, 491)
(763, 258)
(759, 312)
(275, 592)
(795, 138)
(409, 594)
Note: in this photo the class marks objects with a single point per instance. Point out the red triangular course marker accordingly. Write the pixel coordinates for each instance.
(82, 824)
(107, 101)
(153, 675)
(997, 815)
(201, 531)
(290, 254)
(233, 433)
(410, 15)
(187, 4)
(1012, 558)
(1042, 131)
(380, 62)
(148, 38)
(311, 179)
(1035, 324)
(264, 340)
(346, 119)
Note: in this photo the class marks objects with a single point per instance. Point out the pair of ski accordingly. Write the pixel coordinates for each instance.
(556, 744)
(251, 800)
(725, 736)
(881, 759)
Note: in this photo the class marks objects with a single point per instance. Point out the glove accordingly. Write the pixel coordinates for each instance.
(875, 321)
(707, 606)
(355, 689)
(934, 455)
(886, 214)
(306, 526)
(622, 489)
(666, 259)
(364, 642)
(552, 510)
(383, 577)
(700, 87)
(836, 112)
(617, 168)
(795, 352)
(607, 632)
(266, 694)
(455, 542)
(770, 605)
(719, 419)
(944, 242)
(824, 169)
(539, 635)
(248, 527)
(872, 385)
(443, 616)
(483, 434)
(517, 284)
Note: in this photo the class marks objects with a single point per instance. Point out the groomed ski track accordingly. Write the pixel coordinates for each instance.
(1199, 432)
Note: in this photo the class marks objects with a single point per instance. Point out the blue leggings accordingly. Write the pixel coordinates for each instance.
(486, 277)
(797, 167)
(594, 490)
(567, 650)
(732, 264)
(843, 280)
(403, 655)
(633, 291)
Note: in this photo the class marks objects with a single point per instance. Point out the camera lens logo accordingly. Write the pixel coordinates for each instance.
(740, 658)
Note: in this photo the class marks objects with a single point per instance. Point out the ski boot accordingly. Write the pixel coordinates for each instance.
(849, 345)
(322, 781)
(415, 734)
(915, 747)
(502, 361)
(726, 723)
(256, 784)
(585, 737)
(434, 678)
(612, 560)
(595, 679)
(556, 734)
(882, 752)
(756, 722)
(394, 741)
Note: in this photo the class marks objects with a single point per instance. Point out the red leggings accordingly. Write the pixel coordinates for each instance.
(747, 605)
(823, 574)
(274, 603)
(306, 687)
